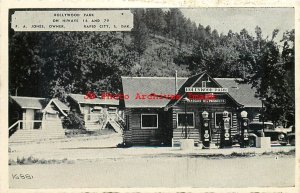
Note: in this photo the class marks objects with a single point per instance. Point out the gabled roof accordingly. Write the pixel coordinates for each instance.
(241, 93)
(79, 98)
(30, 102)
(148, 85)
(194, 81)
(61, 106)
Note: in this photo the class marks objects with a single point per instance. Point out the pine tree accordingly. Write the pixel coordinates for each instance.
(155, 20)
(140, 32)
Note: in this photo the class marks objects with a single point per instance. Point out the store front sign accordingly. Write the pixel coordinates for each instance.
(202, 89)
(210, 101)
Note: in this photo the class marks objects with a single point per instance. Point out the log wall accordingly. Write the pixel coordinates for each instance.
(167, 124)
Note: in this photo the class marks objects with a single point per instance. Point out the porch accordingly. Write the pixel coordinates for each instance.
(99, 121)
(35, 130)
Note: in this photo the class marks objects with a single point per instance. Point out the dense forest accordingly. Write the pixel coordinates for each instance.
(52, 64)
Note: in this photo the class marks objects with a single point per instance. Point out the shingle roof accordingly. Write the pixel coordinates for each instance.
(79, 98)
(148, 85)
(242, 93)
(30, 102)
(61, 105)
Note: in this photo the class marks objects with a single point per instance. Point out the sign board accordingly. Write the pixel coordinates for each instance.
(219, 101)
(202, 89)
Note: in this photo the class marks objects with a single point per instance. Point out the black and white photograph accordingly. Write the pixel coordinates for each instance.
(164, 97)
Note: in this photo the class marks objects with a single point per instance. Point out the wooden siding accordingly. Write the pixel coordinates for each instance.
(167, 123)
(138, 136)
(198, 109)
(180, 134)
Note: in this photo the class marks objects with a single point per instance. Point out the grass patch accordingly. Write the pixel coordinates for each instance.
(247, 154)
(291, 152)
(232, 155)
(73, 133)
(31, 160)
(209, 156)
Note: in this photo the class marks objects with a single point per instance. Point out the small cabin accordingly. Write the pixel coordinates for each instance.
(156, 112)
(55, 110)
(33, 115)
(95, 112)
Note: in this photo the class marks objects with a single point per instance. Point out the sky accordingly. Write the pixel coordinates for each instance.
(224, 19)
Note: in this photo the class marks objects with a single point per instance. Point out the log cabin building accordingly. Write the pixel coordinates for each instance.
(155, 107)
(96, 112)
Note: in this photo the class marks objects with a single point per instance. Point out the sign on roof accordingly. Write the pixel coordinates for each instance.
(204, 89)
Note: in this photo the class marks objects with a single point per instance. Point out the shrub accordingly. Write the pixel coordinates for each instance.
(32, 160)
(74, 121)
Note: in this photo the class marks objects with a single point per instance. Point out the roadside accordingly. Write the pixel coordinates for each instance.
(96, 162)
(104, 147)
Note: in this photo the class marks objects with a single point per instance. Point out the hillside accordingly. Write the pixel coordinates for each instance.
(159, 58)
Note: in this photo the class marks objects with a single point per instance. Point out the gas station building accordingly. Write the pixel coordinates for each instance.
(158, 109)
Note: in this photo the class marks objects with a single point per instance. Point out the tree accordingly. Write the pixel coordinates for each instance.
(155, 20)
(140, 32)
(26, 63)
(288, 59)
(62, 62)
(175, 21)
(189, 31)
(269, 75)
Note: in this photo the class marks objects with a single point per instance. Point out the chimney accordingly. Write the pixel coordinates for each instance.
(176, 86)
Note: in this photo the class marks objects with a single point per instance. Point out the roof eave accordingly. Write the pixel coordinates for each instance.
(31, 108)
(141, 107)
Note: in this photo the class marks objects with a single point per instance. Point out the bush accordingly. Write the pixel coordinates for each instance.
(74, 121)
(32, 160)
(124, 145)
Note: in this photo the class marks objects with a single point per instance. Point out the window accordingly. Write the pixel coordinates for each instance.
(189, 120)
(149, 121)
(204, 84)
(127, 122)
(219, 119)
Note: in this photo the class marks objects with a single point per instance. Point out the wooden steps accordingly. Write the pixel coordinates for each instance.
(179, 134)
(92, 126)
(35, 135)
(116, 126)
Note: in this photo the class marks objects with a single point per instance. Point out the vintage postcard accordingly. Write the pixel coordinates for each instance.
(158, 97)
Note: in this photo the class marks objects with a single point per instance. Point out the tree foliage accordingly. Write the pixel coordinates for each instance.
(50, 64)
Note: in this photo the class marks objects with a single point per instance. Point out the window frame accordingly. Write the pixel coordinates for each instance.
(183, 113)
(229, 115)
(203, 84)
(156, 114)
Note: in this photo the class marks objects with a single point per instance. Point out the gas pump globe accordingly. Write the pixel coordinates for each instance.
(225, 114)
(205, 115)
(206, 133)
(244, 130)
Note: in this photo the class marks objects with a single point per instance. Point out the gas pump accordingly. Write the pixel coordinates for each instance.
(226, 140)
(206, 133)
(244, 130)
